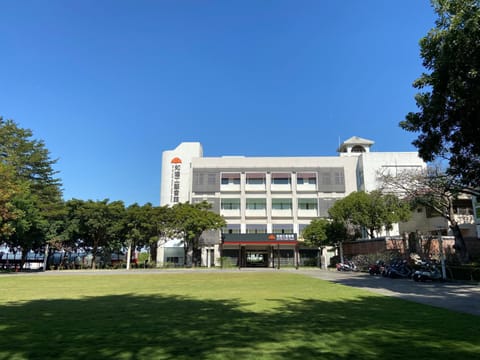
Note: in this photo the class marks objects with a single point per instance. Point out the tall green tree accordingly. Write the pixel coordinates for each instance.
(145, 224)
(97, 225)
(315, 233)
(190, 221)
(38, 197)
(31, 162)
(448, 119)
(372, 211)
(9, 189)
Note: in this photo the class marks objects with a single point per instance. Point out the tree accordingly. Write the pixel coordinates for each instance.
(98, 225)
(31, 162)
(29, 179)
(315, 233)
(190, 221)
(434, 190)
(145, 224)
(449, 106)
(372, 211)
(8, 190)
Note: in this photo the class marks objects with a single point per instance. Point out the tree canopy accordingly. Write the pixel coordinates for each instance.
(321, 232)
(372, 211)
(9, 189)
(315, 234)
(96, 224)
(448, 119)
(30, 195)
(190, 221)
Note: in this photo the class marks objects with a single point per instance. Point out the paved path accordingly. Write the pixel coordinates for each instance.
(451, 295)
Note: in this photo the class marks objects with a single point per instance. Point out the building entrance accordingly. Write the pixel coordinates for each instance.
(256, 258)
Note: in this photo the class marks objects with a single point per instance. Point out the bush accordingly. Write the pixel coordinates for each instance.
(464, 272)
(226, 262)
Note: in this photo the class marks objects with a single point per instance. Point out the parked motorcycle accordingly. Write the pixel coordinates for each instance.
(400, 270)
(347, 266)
(377, 268)
(428, 272)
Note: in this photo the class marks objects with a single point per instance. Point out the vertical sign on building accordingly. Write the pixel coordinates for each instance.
(175, 180)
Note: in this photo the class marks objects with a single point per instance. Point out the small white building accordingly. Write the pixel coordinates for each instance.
(271, 195)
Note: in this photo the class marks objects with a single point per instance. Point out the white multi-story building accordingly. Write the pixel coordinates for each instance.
(267, 201)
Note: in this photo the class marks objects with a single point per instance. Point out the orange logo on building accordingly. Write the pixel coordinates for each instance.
(272, 237)
(176, 160)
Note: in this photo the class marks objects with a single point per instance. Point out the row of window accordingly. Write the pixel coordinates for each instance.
(262, 228)
(260, 179)
(261, 204)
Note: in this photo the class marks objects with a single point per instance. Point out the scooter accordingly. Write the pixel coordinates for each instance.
(429, 272)
(346, 266)
(400, 270)
(377, 268)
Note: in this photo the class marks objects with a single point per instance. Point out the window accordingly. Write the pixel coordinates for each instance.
(281, 204)
(282, 228)
(339, 179)
(198, 179)
(281, 181)
(211, 179)
(281, 178)
(307, 204)
(358, 149)
(256, 229)
(326, 178)
(255, 179)
(230, 178)
(232, 229)
(306, 178)
(256, 204)
(230, 204)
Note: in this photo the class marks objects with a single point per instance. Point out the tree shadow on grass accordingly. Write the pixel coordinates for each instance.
(175, 327)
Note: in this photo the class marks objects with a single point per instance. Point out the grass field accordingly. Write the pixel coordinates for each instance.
(220, 315)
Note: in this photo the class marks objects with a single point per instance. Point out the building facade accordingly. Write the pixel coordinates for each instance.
(267, 201)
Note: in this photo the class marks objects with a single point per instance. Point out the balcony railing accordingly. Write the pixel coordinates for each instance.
(230, 187)
(256, 212)
(282, 212)
(307, 213)
(230, 212)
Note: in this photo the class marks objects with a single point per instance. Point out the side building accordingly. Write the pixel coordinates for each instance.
(268, 201)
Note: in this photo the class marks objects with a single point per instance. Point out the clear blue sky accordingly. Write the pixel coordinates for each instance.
(110, 84)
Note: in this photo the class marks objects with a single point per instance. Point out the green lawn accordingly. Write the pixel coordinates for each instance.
(220, 315)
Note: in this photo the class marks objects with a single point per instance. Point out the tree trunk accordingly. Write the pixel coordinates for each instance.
(94, 254)
(186, 251)
(460, 245)
(153, 252)
(23, 259)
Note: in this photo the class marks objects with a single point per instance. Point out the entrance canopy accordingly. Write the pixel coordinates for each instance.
(259, 239)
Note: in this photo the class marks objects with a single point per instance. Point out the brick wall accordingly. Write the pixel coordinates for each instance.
(424, 246)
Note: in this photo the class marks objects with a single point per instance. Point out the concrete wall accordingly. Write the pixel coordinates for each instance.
(181, 157)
